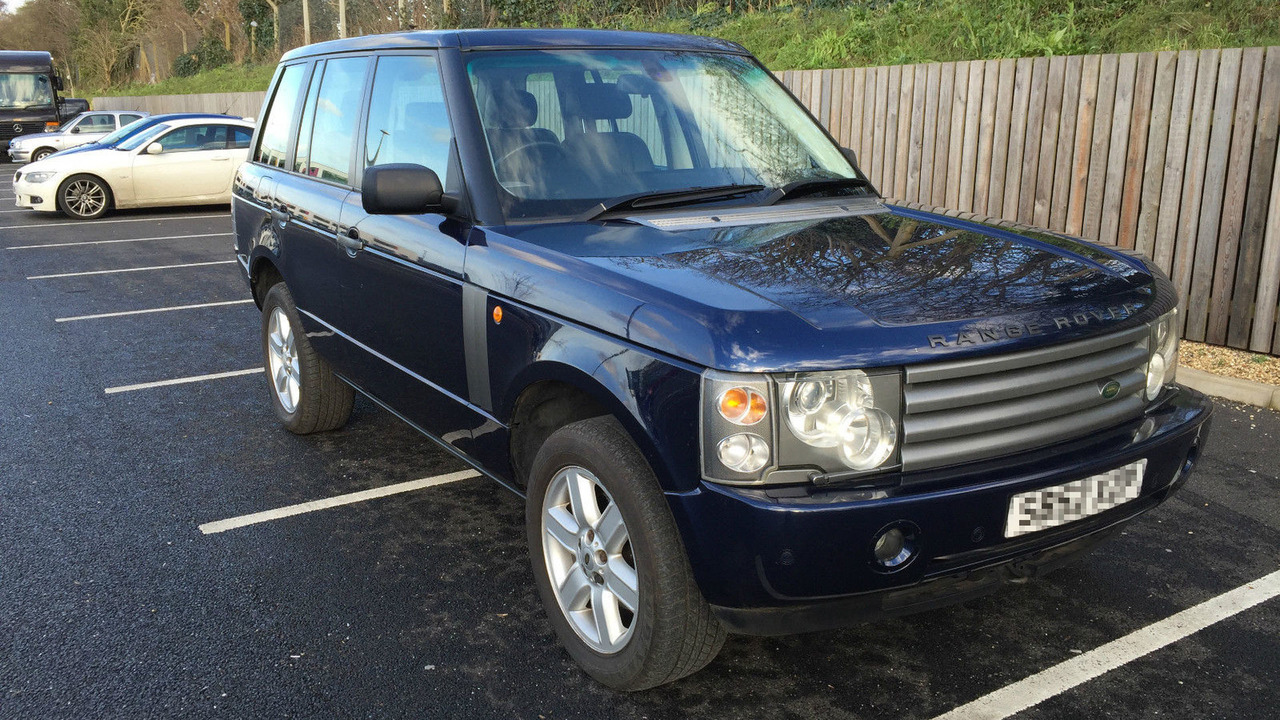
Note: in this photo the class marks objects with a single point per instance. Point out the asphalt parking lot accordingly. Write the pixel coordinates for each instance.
(115, 603)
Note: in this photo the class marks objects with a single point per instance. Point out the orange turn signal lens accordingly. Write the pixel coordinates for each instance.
(497, 314)
(743, 406)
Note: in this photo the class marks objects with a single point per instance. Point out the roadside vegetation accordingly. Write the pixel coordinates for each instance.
(180, 46)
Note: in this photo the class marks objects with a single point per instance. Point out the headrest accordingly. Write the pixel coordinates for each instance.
(513, 110)
(603, 102)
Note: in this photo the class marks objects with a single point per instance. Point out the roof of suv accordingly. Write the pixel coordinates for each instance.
(478, 39)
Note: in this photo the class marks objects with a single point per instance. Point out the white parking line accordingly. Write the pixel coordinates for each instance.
(125, 270)
(151, 310)
(1080, 669)
(123, 220)
(181, 381)
(113, 242)
(335, 501)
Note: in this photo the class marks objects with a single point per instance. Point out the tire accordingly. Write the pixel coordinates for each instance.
(84, 197)
(670, 632)
(305, 394)
(40, 154)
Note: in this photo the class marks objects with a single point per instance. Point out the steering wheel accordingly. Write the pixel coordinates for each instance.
(536, 143)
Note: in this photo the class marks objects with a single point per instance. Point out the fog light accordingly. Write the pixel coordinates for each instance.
(895, 546)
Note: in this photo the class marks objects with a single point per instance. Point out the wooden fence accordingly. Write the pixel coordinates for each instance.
(243, 104)
(1172, 154)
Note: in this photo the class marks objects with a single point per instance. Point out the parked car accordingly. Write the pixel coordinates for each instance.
(85, 128)
(138, 126)
(628, 276)
(180, 162)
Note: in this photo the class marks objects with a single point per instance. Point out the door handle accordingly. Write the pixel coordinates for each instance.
(350, 240)
(220, 157)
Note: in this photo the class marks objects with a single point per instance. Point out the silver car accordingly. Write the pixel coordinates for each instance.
(84, 128)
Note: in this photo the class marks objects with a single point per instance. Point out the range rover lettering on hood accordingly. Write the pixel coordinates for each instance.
(1017, 330)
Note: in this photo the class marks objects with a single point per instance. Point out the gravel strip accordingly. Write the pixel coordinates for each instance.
(1231, 363)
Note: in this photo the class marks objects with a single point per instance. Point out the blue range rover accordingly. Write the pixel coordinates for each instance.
(627, 276)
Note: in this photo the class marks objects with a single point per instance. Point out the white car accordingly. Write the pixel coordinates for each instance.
(84, 128)
(181, 162)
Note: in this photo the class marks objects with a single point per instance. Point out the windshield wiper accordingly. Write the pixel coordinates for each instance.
(810, 186)
(669, 198)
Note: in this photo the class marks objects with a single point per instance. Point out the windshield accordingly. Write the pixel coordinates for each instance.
(570, 129)
(23, 90)
(143, 137)
(123, 132)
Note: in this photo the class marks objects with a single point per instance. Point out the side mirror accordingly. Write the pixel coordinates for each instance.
(75, 130)
(401, 189)
(155, 148)
(851, 156)
(57, 83)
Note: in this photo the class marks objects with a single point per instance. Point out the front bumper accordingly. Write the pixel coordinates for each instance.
(37, 196)
(797, 559)
(19, 155)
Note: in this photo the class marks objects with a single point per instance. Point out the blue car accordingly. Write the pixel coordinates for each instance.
(629, 277)
(133, 128)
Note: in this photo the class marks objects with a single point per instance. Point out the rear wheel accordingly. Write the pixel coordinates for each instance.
(305, 394)
(609, 564)
(84, 197)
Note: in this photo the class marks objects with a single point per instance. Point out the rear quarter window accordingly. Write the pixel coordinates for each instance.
(273, 146)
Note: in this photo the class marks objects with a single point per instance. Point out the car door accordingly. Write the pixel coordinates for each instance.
(407, 270)
(193, 163)
(92, 126)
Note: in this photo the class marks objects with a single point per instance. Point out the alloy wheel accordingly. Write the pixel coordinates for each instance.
(283, 360)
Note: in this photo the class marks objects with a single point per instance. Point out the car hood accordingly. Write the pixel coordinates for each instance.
(98, 158)
(884, 286)
(34, 137)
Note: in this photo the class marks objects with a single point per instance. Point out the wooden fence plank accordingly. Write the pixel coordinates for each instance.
(933, 76)
(1064, 177)
(906, 120)
(1000, 143)
(986, 135)
(1101, 145)
(1184, 86)
(1135, 157)
(1042, 195)
(847, 108)
(1249, 294)
(1211, 199)
(1031, 145)
(1083, 143)
(1017, 138)
(942, 138)
(1269, 281)
(955, 154)
(890, 162)
(869, 114)
(1237, 184)
(1157, 149)
(1117, 153)
(972, 118)
(1193, 178)
(837, 107)
(825, 100)
(916, 151)
(879, 118)
(857, 100)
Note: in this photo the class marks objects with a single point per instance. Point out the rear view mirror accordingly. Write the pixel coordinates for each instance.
(401, 189)
(155, 148)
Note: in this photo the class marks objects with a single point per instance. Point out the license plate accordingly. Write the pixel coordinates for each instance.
(1050, 507)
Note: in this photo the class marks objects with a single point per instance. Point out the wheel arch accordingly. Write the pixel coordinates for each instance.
(263, 273)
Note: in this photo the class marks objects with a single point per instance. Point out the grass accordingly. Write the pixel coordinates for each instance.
(853, 33)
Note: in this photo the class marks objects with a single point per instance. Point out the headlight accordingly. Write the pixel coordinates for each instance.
(837, 414)
(39, 177)
(786, 428)
(1163, 364)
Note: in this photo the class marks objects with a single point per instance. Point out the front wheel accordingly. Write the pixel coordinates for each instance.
(41, 154)
(305, 393)
(609, 564)
(84, 197)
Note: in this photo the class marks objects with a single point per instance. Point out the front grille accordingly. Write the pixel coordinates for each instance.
(978, 408)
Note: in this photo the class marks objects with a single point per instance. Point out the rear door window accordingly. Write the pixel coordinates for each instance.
(273, 145)
(408, 122)
(193, 138)
(337, 116)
